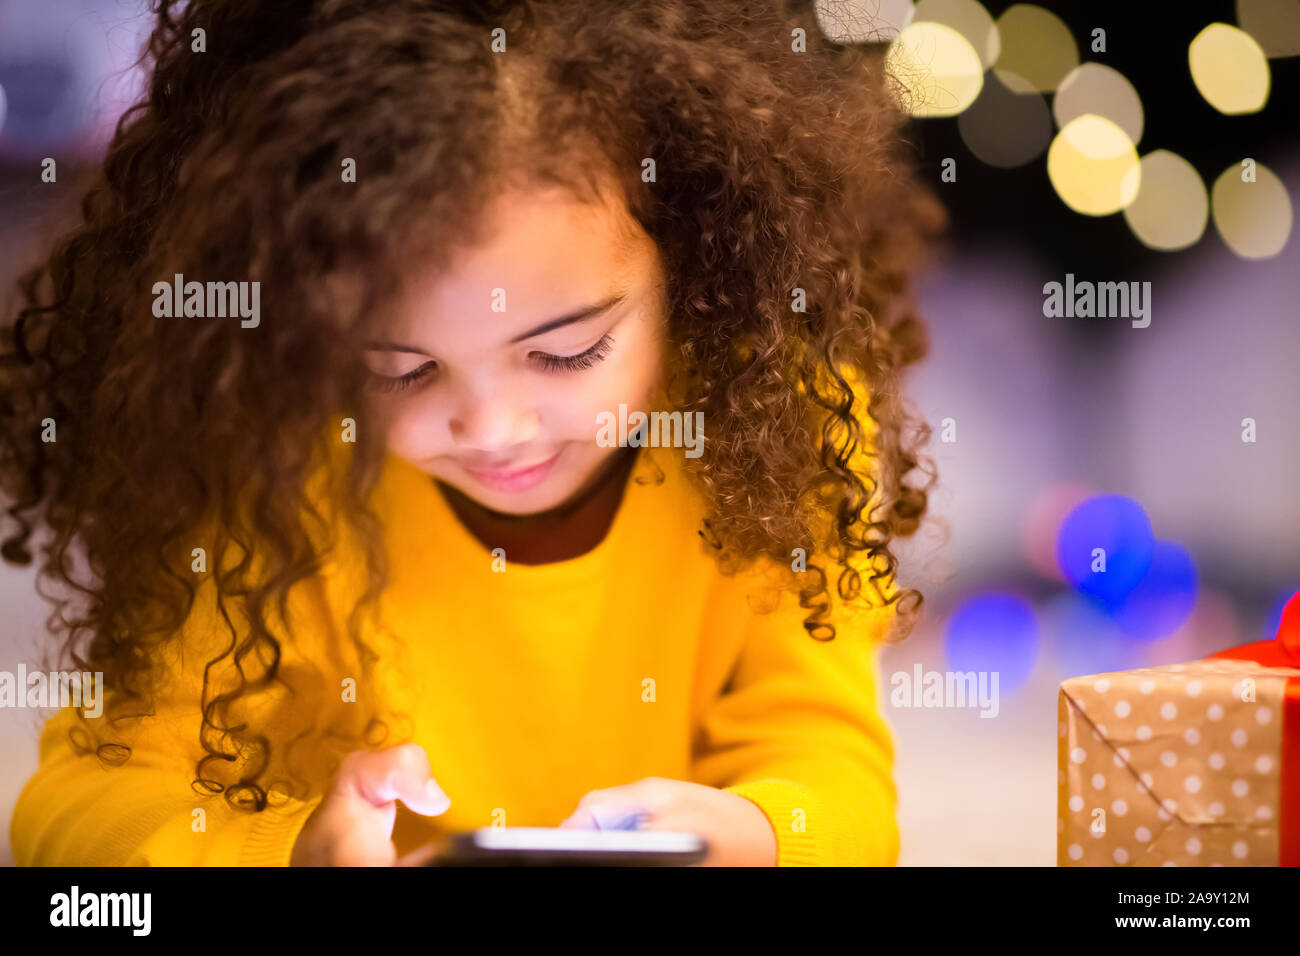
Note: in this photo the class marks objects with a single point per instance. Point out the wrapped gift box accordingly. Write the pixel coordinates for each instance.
(1194, 764)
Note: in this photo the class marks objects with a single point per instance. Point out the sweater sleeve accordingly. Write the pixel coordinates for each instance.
(77, 810)
(798, 733)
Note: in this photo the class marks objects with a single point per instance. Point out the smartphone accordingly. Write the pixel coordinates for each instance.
(552, 846)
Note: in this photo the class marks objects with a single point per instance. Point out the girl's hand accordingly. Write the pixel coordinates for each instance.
(738, 832)
(353, 826)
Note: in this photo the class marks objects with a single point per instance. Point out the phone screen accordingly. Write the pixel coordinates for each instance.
(552, 846)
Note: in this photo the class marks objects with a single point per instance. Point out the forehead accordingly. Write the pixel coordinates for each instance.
(548, 226)
(547, 253)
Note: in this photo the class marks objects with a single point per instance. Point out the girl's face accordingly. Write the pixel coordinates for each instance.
(492, 374)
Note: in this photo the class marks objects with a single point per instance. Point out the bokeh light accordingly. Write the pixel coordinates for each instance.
(1086, 639)
(1274, 25)
(67, 82)
(970, 19)
(1006, 126)
(1172, 206)
(994, 632)
(1163, 600)
(1036, 45)
(1254, 218)
(1229, 69)
(1043, 518)
(1119, 527)
(1210, 627)
(1094, 166)
(862, 21)
(47, 80)
(1289, 622)
(1274, 621)
(1215, 621)
(1103, 91)
(937, 68)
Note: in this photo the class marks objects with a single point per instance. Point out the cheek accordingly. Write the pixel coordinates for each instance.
(640, 378)
(412, 429)
(642, 366)
(635, 371)
(581, 401)
(569, 409)
(646, 371)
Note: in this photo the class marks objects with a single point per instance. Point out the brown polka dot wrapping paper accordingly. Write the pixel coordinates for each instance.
(1194, 764)
(1178, 765)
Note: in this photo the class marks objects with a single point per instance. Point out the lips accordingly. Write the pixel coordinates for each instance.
(512, 479)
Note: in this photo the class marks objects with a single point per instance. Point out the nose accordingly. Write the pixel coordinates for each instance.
(492, 423)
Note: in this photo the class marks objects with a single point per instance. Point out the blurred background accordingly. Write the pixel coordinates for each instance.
(1072, 143)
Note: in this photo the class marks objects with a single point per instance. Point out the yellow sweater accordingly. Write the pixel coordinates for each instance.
(527, 687)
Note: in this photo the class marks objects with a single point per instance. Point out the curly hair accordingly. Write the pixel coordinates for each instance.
(779, 173)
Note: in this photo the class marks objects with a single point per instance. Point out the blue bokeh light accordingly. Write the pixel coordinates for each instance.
(994, 632)
(1274, 622)
(1119, 527)
(1163, 600)
(1085, 638)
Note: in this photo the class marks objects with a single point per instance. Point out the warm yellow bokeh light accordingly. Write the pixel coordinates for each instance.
(1006, 127)
(1275, 25)
(1229, 69)
(967, 17)
(1103, 91)
(937, 68)
(1094, 166)
(1172, 206)
(1036, 45)
(1254, 218)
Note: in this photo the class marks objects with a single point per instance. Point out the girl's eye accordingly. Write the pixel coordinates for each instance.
(387, 384)
(574, 363)
(552, 363)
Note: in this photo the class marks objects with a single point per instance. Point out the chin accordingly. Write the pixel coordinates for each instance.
(520, 505)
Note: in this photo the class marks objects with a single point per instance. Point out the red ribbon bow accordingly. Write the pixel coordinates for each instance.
(1283, 652)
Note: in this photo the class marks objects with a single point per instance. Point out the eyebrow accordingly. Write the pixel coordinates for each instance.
(580, 315)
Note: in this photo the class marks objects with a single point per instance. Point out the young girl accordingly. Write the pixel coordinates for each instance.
(463, 414)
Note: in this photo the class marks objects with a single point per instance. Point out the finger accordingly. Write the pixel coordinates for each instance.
(421, 856)
(645, 792)
(363, 851)
(399, 773)
(616, 815)
(579, 820)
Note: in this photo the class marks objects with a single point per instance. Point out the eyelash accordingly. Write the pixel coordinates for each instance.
(551, 363)
(575, 363)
